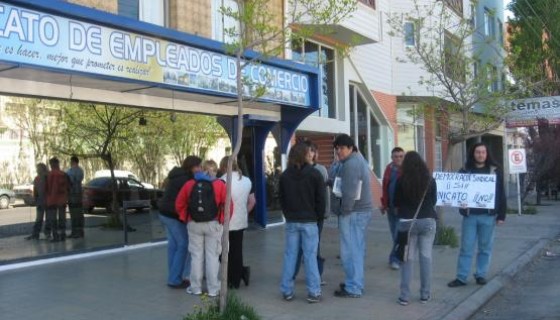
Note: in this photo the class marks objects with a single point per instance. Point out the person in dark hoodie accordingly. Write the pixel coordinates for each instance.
(302, 197)
(178, 257)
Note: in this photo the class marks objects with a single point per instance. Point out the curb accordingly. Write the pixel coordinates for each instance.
(480, 297)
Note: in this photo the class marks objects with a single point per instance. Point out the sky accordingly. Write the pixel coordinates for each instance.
(507, 13)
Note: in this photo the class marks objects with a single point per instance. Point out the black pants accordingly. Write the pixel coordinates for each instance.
(235, 257)
(77, 218)
(56, 221)
(39, 217)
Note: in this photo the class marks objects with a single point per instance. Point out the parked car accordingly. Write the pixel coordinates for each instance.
(25, 193)
(121, 174)
(7, 197)
(98, 193)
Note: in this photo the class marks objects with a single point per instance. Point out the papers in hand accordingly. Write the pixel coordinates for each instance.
(337, 189)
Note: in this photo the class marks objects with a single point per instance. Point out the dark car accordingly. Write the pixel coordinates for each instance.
(7, 197)
(98, 193)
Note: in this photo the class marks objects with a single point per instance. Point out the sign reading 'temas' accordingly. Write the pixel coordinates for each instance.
(465, 190)
(526, 112)
(41, 39)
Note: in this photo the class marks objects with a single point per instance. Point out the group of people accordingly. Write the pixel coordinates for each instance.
(192, 210)
(409, 199)
(53, 190)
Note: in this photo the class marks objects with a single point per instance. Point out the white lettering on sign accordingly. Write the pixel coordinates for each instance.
(465, 190)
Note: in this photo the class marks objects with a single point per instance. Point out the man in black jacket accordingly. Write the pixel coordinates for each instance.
(302, 197)
(478, 223)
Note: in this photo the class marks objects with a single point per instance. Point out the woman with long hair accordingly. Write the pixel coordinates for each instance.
(416, 190)
(243, 202)
(302, 197)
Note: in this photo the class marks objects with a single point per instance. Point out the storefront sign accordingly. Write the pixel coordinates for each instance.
(40, 39)
(526, 112)
(465, 190)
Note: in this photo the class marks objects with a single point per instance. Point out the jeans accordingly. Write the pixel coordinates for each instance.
(475, 227)
(39, 217)
(320, 260)
(393, 221)
(177, 249)
(77, 218)
(205, 247)
(420, 245)
(353, 228)
(58, 229)
(306, 237)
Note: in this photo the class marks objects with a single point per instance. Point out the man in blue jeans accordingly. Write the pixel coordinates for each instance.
(478, 223)
(354, 206)
(390, 176)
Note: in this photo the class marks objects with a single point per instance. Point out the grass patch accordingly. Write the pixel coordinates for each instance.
(446, 236)
(235, 309)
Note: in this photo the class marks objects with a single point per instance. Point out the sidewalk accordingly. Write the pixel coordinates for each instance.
(131, 285)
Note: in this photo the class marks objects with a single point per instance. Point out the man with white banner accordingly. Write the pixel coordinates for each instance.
(478, 189)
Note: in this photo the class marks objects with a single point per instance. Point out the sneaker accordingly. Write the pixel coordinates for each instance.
(481, 281)
(394, 266)
(183, 285)
(456, 283)
(313, 299)
(213, 295)
(342, 293)
(289, 296)
(323, 282)
(191, 291)
(402, 302)
(425, 300)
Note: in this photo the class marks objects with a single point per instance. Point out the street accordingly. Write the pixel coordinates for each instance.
(532, 294)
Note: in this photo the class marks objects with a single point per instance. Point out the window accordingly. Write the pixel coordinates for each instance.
(410, 34)
(489, 24)
(369, 3)
(455, 5)
(410, 129)
(223, 22)
(365, 129)
(493, 78)
(500, 32)
(453, 58)
(323, 57)
(152, 11)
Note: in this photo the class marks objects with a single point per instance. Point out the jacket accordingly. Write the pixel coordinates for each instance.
(353, 171)
(302, 194)
(407, 208)
(176, 179)
(57, 188)
(181, 203)
(500, 202)
(385, 185)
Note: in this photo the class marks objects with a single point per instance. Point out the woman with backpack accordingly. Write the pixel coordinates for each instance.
(200, 204)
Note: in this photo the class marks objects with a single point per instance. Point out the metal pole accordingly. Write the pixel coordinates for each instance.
(125, 224)
(518, 196)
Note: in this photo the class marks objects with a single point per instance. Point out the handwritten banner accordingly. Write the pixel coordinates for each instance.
(465, 190)
(46, 40)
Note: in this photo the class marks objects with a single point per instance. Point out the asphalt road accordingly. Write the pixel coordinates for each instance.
(534, 294)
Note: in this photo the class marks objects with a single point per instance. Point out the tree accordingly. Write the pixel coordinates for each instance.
(463, 88)
(93, 131)
(259, 28)
(534, 49)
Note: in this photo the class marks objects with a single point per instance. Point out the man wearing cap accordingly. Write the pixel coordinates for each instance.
(355, 206)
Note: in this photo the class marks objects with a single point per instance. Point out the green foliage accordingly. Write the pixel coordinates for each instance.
(446, 236)
(524, 210)
(235, 309)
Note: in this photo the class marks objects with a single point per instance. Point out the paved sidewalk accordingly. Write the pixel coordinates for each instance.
(131, 285)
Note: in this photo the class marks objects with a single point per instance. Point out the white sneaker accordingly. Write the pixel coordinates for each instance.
(395, 266)
(213, 295)
(196, 293)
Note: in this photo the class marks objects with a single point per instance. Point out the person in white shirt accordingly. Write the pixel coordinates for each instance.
(243, 202)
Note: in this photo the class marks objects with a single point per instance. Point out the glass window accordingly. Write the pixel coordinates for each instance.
(453, 58)
(129, 8)
(409, 34)
(323, 57)
(500, 32)
(363, 141)
(410, 129)
(223, 22)
(489, 24)
(152, 11)
(438, 156)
